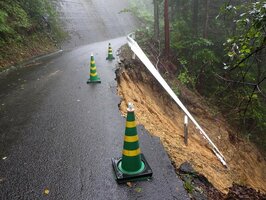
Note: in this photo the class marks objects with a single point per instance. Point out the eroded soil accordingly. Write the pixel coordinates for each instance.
(163, 118)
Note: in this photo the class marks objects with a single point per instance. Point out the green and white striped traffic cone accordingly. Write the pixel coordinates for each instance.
(110, 56)
(93, 72)
(131, 160)
(132, 165)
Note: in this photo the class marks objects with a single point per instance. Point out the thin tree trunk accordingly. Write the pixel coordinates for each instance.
(205, 34)
(156, 20)
(172, 10)
(166, 28)
(195, 16)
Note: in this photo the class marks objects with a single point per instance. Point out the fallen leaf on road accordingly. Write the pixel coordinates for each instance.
(54, 73)
(138, 189)
(129, 184)
(4, 158)
(46, 191)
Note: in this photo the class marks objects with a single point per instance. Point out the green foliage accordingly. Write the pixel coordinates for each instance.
(4, 28)
(206, 56)
(142, 34)
(245, 49)
(242, 27)
(221, 52)
(19, 18)
(250, 35)
(183, 77)
(200, 58)
(188, 185)
(176, 90)
(186, 79)
(142, 10)
(13, 18)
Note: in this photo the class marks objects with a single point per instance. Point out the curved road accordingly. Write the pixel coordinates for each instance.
(58, 134)
(89, 21)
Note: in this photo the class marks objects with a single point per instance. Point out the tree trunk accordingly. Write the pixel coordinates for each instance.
(205, 34)
(156, 20)
(195, 16)
(172, 10)
(166, 28)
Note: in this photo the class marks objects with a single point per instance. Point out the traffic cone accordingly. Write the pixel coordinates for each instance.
(110, 56)
(93, 73)
(133, 165)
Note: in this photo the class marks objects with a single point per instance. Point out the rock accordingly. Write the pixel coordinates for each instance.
(186, 168)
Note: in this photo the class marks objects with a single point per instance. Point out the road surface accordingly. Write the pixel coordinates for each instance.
(58, 134)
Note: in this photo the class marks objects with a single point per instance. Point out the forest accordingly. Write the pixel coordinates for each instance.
(27, 27)
(218, 48)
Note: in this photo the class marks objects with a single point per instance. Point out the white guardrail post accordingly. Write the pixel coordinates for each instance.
(186, 130)
(132, 35)
(144, 59)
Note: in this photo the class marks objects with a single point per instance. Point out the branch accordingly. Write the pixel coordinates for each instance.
(249, 101)
(261, 81)
(247, 57)
(256, 85)
(258, 88)
(238, 82)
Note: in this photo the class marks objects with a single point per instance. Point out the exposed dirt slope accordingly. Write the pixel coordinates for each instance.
(163, 118)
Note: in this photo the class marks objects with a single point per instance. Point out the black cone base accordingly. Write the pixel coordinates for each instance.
(110, 59)
(96, 81)
(123, 178)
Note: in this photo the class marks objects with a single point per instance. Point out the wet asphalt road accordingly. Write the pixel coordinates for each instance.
(89, 21)
(59, 134)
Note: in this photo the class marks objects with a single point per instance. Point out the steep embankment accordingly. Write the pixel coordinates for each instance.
(27, 28)
(162, 117)
(12, 52)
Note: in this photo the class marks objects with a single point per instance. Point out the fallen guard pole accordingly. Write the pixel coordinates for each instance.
(141, 55)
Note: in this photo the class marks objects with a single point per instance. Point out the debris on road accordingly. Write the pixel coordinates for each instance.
(46, 191)
(129, 184)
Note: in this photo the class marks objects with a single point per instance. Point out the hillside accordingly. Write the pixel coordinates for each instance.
(27, 28)
(162, 118)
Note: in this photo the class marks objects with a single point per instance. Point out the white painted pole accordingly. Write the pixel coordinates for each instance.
(186, 120)
(186, 130)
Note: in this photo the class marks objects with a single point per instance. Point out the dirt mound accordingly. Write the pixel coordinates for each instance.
(197, 184)
(242, 192)
(163, 118)
(200, 188)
